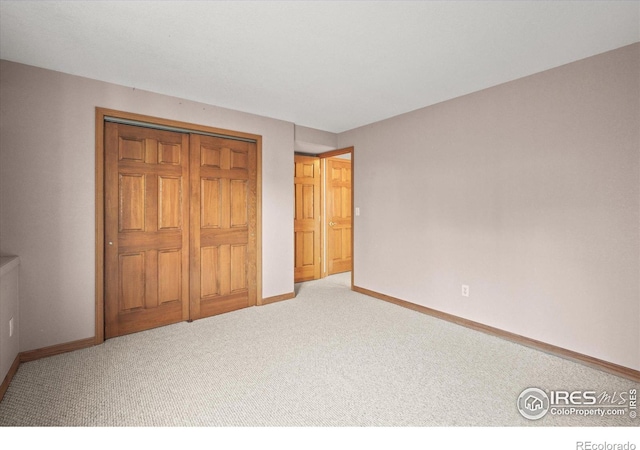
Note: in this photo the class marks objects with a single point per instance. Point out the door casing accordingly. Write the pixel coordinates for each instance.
(101, 115)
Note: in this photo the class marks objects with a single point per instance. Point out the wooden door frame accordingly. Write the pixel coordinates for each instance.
(101, 114)
(323, 157)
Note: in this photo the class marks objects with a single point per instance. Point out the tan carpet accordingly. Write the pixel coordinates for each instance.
(330, 357)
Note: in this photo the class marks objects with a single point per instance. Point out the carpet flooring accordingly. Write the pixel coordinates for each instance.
(329, 357)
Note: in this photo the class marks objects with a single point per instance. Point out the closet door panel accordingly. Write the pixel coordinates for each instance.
(223, 225)
(146, 228)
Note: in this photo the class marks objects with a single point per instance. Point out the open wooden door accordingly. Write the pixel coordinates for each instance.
(307, 220)
(146, 228)
(338, 215)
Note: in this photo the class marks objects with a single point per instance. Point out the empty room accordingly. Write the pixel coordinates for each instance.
(320, 214)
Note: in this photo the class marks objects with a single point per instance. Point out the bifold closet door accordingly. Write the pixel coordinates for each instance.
(223, 225)
(146, 228)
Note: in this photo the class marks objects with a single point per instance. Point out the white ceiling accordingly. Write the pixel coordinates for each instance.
(331, 65)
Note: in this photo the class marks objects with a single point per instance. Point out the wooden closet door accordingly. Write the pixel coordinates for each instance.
(146, 228)
(223, 225)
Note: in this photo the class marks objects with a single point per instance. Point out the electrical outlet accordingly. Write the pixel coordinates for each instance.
(11, 327)
(465, 290)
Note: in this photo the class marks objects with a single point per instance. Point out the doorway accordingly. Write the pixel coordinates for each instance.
(323, 214)
(177, 222)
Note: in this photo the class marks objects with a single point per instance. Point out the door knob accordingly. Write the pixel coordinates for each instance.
(331, 224)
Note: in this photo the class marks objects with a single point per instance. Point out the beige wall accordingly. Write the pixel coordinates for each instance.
(9, 309)
(528, 192)
(47, 188)
(312, 140)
